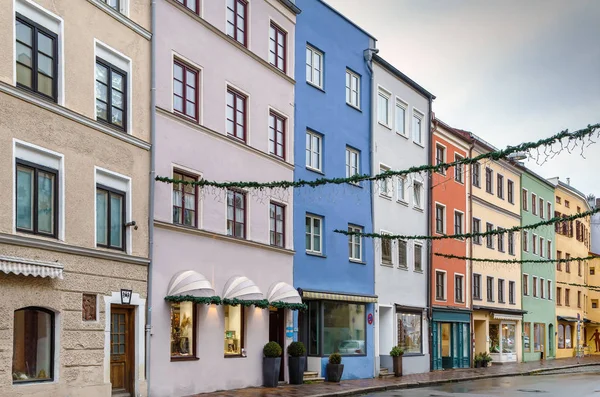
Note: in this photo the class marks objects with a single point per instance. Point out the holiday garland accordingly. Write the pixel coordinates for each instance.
(291, 306)
(493, 155)
(520, 261)
(556, 219)
(205, 300)
(215, 300)
(592, 287)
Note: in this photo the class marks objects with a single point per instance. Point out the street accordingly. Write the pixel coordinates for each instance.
(567, 383)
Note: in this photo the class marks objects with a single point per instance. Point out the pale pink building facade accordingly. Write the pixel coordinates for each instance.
(224, 112)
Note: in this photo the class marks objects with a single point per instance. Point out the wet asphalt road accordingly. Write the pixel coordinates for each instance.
(551, 385)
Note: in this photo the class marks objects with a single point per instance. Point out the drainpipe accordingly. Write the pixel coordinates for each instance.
(470, 196)
(368, 54)
(430, 245)
(151, 190)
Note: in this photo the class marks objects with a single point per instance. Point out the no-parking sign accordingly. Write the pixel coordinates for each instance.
(370, 318)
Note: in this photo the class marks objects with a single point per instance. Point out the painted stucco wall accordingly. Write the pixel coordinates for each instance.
(393, 215)
(539, 310)
(326, 112)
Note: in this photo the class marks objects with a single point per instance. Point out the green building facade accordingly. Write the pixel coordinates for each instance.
(538, 279)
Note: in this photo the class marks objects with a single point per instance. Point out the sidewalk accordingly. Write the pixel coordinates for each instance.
(363, 386)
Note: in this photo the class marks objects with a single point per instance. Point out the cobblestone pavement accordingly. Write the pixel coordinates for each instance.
(365, 386)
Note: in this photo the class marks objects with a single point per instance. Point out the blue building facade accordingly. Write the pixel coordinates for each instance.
(332, 139)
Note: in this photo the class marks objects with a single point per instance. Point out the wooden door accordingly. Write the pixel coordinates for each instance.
(276, 334)
(121, 349)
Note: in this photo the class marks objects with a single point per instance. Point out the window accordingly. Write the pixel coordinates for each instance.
(277, 135)
(534, 244)
(458, 222)
(110, 218)
(511, 243)
(236, 20)
(558, 260)
(440, 285)
(277, 224)
(37, 58)
(533, 204)
(568, 335)
(541, 247)
(542, 288)
(510, 187)
(418, 257)
(525, 284)
(526, 337)
(277, 47)
(490, 237)
(500, 291)
(458, 169)
(234, 330)
(440, 219)
(185, 90)
(236, 213)
(561, 336)
(346, 328)
(440, 158)
(500, 186)
(402, 254)
(534, 283)
(236, 114)
(567, 297)
(355, 243)
(191, 4)
(386, 251)
(402, 189)
(490, 289)
(476, 171)
(525, 241)
(33, 345)
(477, 286)
(37, 199)
(592, 271)
(383, 108)
(579, 268)
(594, 303)
(558, 200)
(567, 204)
(418, 128)
(549, 290)
(384, 184)
(539, 334)
(567, 263)
(314, 66)
(352, 162)
(558, 296)
(313, 151)
(579, 299)
(352, 89)
(418, 194)
(500, 240)
(489, 183)
(314, 234)
(111, 94)
(525, 200)
(477, 229)
(185, 203)
(410, 326)
(549, 249)
(183, 330)
(541, 206)
(401, 117)
(458, 288)
(511, 292)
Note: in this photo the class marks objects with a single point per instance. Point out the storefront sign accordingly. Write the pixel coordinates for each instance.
(370, 318)
(126, 296)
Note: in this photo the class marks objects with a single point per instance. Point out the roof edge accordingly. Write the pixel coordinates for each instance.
(391, 68)
(290, 6)
(347, 19)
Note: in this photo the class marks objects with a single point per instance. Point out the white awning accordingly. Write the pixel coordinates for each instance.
(512, 317)
(283, 292)
(30, 267)
(189, 282)
(242, 288)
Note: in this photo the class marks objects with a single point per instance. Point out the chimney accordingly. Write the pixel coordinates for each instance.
(569, 181)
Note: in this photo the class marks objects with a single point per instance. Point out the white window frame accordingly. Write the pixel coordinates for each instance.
(311, 151)
(381, 262)
(354, 243)
(526, 285)
(526, 193)
(480, 287)
(312, 234)
(478, 240)
(442, 170)
(550, 289)
(385, 94)
(351, 74)
(525, 241)
(549, 248)
(400, 104)
(50, 21)
(405, 265)
(444, 220)
(416, 114)
(510, 199)
(534, 242)
(459, 169)
(542, 286)
(541, 247)
(403, 199)
(313, 50)
(445, 297)
(503, 290)
(349, 152)
(384, 183)
(462, 289)
(420, 244)
(199, 202)
(421, 195)
(462, 225)
(534, 284)
(541, 203)
(122, 183)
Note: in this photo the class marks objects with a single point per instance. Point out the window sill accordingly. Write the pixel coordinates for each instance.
(390, 265)
(405, 268)
(402, 202)
(384, 196)
(384, 125)
(318, 255)
(418, 271)
(405, 136)
(354, 107)
(477, 299)
(419, 144)
(354, 185)
(440, 300)
(234, 356)
(418, 209)
(176, 359)
(316, 171)
(313, 85)
(357, 261)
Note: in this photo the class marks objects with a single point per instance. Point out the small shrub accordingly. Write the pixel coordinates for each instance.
(396, 351)
(335, 358)
(272, 349)
(296, 349)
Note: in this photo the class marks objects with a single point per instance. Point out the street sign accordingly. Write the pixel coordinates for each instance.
(370, 318)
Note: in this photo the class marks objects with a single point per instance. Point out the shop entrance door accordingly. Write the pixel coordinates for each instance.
(551, 340)
(446, 340)
(276, 334)
(121, 349)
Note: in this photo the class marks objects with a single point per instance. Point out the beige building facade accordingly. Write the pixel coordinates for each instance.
(75, 160)
(497, 313)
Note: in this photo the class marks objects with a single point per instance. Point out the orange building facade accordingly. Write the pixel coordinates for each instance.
(450, 297)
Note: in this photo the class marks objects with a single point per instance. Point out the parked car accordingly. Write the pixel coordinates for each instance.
(352, 347)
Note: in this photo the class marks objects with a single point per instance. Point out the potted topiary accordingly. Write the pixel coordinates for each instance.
(486, 359)
(478, 360)
(397, 354)
(334, 368)
(296, 362)
(271, 364)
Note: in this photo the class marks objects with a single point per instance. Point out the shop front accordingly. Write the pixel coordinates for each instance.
(567, 336)
(499, 334)
(451, 339)
(503, 340)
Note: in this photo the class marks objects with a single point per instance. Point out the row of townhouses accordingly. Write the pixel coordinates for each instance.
(113, 283)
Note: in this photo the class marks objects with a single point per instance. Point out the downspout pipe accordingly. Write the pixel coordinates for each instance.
(368, 54)
(152, 175)
(430, 245)
(469, 263)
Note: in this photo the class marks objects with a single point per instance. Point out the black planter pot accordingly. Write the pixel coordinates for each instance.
(397, 361)
(271, 368)
(478, 364)
(296, 369)
(334, 372)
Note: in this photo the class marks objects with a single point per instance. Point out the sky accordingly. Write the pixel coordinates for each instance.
(507, 70)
